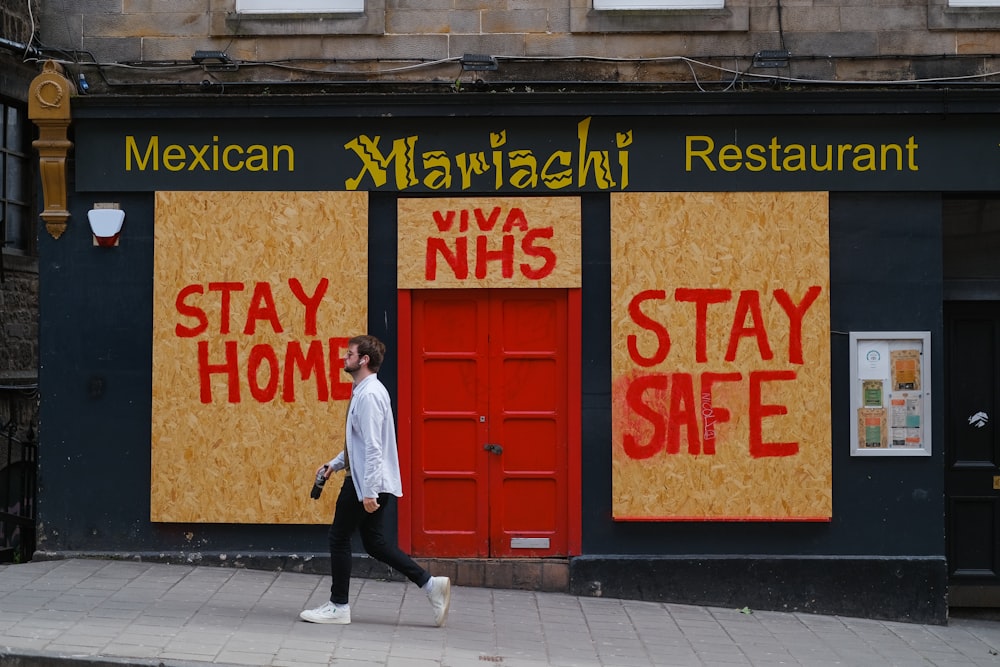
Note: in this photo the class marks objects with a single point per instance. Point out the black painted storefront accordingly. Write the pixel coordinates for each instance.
(883, 553)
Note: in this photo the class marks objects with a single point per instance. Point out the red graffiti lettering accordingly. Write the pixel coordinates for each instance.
(311, 303)
(646, 322)
(267, 371)
(504, 255)
(497, 249)
(225, 302)
(309, 365)
(663, 405)
(187, 310)
(261, 307)
(531, 250)
(747, 322)
(634, 397)
(795, 315)
(749, 304)
(682, 414)
(712, 414)
(759, 410)
(702, 298)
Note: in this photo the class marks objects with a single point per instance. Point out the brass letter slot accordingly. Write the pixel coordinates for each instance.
(996, 482)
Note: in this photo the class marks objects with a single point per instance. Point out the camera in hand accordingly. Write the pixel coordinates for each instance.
(318, 484)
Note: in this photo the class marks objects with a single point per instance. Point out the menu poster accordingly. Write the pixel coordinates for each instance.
(905, 369)
(872, 431)
(871, 392)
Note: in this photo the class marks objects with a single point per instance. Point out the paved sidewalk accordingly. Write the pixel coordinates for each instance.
(104, 613)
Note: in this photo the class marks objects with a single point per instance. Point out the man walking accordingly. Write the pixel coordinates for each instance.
(372, 482)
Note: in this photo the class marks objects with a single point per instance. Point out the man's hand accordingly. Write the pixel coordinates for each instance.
(371, 504)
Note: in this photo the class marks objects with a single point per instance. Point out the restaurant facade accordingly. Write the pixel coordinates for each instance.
(733, 349)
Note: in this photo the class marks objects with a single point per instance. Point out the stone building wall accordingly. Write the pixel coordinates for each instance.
(18, 267)
(828, 41)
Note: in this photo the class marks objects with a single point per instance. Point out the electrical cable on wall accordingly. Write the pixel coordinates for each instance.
(178, 66)
(732, 75)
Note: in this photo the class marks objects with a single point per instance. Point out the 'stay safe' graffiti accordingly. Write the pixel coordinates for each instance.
(669, 403)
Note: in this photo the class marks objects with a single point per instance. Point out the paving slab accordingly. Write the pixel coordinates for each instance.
(112, 613)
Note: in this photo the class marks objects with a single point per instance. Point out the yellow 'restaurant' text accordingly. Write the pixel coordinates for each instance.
(701, 151)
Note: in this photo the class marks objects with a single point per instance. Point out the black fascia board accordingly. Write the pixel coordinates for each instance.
(531, 104)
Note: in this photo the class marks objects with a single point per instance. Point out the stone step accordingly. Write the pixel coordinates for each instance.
(533, 574)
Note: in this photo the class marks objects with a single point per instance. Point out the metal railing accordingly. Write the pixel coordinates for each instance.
(18, 493)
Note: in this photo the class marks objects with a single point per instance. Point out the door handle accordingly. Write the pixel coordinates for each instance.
(493, 448)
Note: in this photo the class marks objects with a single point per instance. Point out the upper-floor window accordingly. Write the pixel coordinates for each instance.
(659, 16)
(15, 198)
(301, 17)
(609, 5)
(952, 15)
(294, 6)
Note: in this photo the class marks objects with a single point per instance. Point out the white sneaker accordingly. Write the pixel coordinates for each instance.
(328, 613)
(440, 597)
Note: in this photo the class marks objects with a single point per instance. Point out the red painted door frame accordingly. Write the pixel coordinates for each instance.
(405, 424)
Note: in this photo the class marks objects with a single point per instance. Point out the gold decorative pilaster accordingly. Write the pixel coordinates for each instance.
(48, 107)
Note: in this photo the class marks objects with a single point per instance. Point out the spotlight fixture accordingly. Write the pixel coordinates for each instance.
(478, 62)
(771, 59)
(214, 61)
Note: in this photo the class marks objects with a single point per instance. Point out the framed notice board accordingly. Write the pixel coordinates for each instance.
(890, 393)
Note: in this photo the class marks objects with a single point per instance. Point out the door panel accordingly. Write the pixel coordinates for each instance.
(972, 338)
(528, 413)
(449, 474)
(489, 431)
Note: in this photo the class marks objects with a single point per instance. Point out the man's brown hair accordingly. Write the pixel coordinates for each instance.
(371, 347)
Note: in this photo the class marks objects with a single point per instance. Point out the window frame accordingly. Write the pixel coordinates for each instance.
(658, 5)
(300, 6)
(16, 149)
(941, 15)
(967, 4)
(227, 20)
(731, 16)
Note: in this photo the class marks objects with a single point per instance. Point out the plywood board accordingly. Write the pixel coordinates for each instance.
(254, 296)
(721, 356)
(483, 242)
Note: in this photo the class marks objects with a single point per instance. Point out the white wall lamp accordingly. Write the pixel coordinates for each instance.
(106, 224)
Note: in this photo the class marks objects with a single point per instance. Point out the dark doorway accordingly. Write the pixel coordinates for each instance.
(971, 246)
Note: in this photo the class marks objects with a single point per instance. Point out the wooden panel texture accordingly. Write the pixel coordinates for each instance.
(721, 356)
(255, 295)
(489, 242)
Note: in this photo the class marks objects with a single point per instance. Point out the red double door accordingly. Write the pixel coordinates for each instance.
(489, 423)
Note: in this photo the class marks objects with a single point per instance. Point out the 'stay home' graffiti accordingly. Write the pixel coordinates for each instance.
(266, 369)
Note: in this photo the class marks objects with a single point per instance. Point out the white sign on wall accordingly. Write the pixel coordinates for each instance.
(890, 393)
